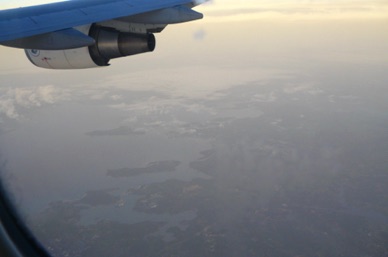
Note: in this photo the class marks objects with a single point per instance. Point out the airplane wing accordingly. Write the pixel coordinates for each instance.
(34, 20)
(56, 26)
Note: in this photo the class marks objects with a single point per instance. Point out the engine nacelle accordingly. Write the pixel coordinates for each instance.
(110, 44)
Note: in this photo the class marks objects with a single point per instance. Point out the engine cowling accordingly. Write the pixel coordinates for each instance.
(109, 44)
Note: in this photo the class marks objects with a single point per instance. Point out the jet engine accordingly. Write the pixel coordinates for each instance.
(109, 44)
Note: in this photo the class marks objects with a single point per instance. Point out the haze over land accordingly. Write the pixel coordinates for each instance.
(259, 130)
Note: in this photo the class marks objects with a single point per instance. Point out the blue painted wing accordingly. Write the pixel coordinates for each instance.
(29, 21)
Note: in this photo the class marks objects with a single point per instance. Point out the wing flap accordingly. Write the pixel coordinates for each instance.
(35, 20)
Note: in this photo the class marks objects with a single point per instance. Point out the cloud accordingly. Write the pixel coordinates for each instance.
(35, 97)
(7, 107)
(14, 100)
